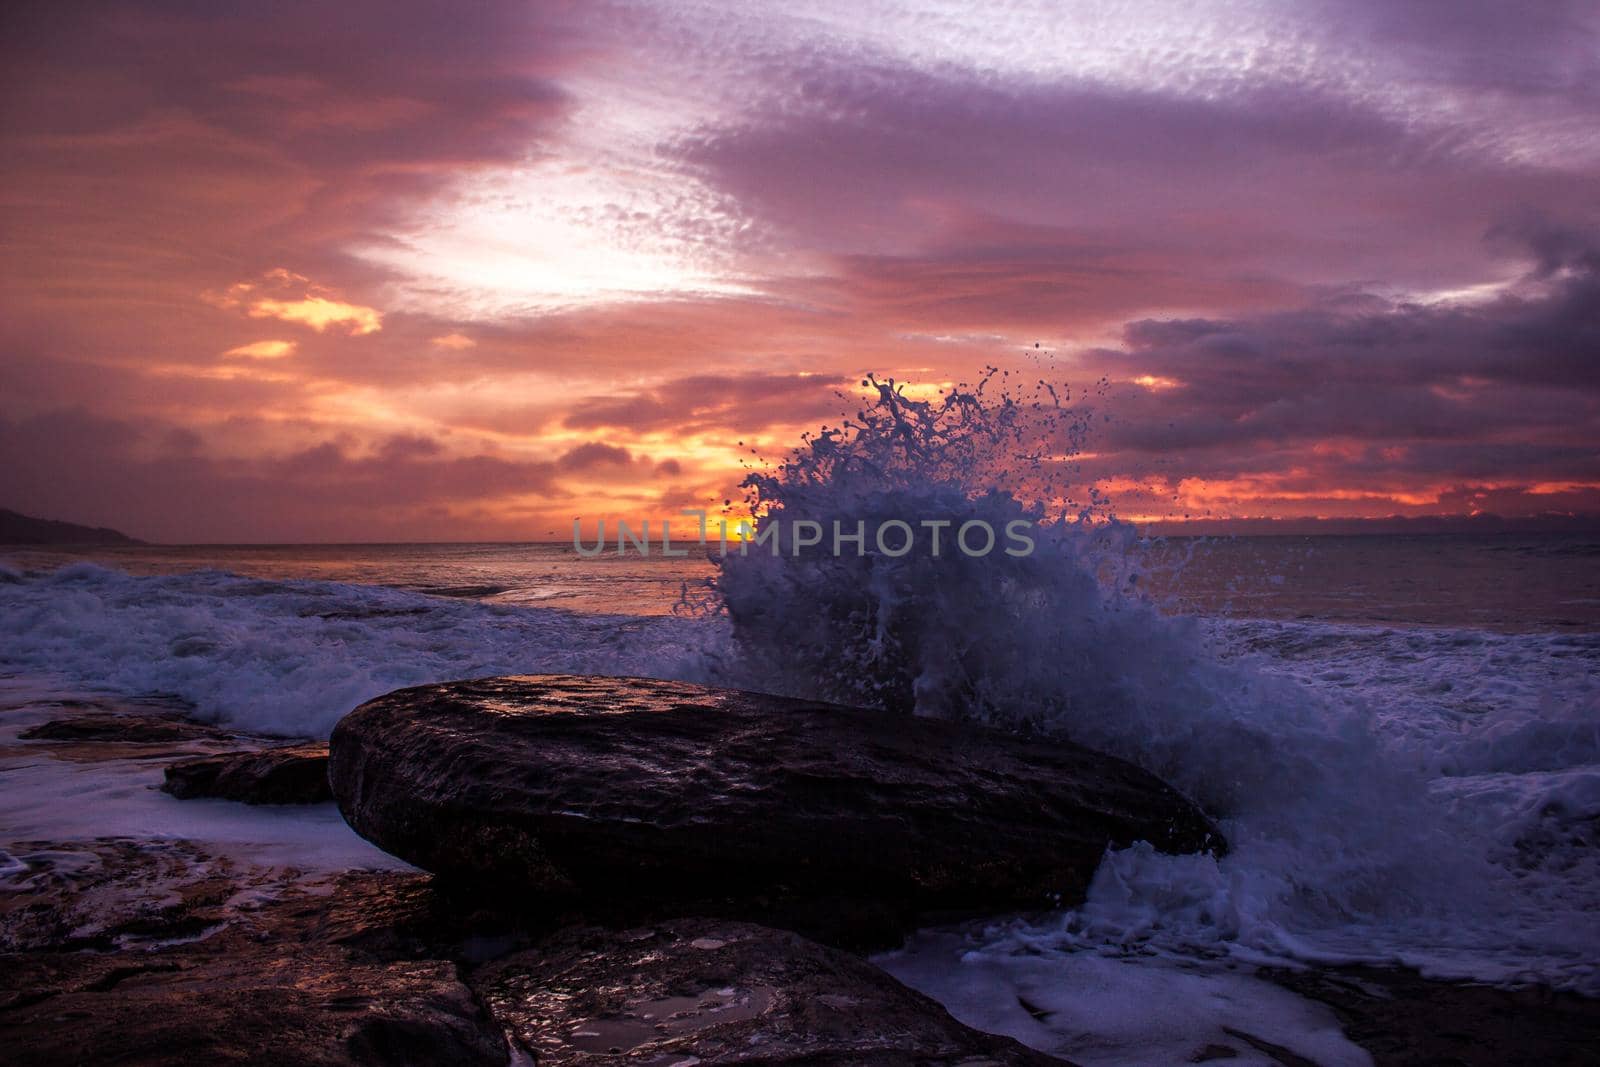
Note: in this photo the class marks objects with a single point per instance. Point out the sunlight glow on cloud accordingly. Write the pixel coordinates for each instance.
(282, 294)
(263, 350)
(1236, 495)
(320, 313)
(598, 228)
(1555, 488)
(254, 371)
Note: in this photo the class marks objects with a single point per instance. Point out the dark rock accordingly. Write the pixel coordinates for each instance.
(109, 893)
(125, 729)
(139, 952)
(313, 980)
(713, 801)
(288, 774)
(303, 1009)
(1406, 1020)
(720, 992)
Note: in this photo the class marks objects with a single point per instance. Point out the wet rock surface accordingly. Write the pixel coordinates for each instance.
(109, 894)
(146, 952)
(161, 953)
(334, 974)
(285, 774)
(843, 823)
(121, 728)
(721, 992)
(100, 730)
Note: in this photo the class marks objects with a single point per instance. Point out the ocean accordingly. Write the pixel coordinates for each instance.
(1400, 736)
(1507, 583)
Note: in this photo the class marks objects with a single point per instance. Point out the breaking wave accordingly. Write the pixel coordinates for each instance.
(1463, 842)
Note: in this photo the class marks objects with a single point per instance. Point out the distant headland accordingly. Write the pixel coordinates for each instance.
(16, 529)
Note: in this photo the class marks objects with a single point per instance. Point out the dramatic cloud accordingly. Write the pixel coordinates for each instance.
(1421, 406)
(595, 454)
(410, 270)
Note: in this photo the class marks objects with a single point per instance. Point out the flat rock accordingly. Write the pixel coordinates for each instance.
(123, 729)
(285, 774)
(720, 992)
(715, 801)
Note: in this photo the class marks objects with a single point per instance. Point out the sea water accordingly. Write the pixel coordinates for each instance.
(1400, 737)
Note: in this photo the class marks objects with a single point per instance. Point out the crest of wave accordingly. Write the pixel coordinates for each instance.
(1059, 639)
(1327, 828)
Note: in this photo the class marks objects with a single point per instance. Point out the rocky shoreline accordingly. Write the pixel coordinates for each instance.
(162, 951)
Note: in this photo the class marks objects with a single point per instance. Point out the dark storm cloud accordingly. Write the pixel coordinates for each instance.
(1055, 282)
(352, 85)
(1539, 50)
(1311, 371)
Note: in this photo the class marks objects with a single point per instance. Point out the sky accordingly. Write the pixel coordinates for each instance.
(402, 271)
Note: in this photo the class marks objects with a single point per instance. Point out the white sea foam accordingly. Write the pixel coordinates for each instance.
(1109, 1010)
(1458, 832)
(290, 657)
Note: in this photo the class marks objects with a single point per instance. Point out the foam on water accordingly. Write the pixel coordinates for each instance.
(52, 800)
(291, 657)
(1119, 1011)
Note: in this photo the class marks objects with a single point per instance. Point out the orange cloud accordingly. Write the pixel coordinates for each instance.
(263, 350)
(282, 294)
(320, 313)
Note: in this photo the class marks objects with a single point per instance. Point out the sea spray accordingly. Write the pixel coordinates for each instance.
(883, 628)
(1062, 638)
(1342, 845)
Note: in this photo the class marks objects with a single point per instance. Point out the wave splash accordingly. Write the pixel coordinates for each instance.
(1348, 842)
